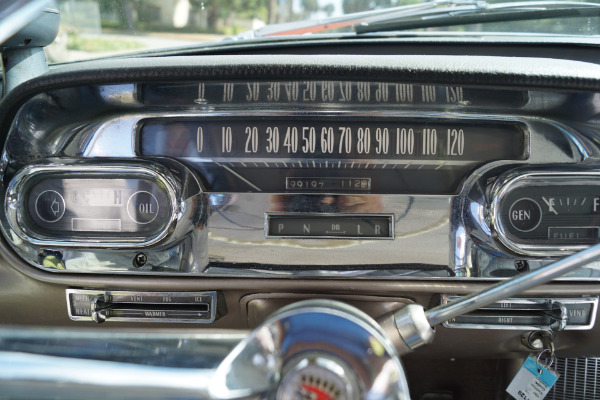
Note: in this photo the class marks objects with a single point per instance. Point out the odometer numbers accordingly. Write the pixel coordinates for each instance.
(304, 183)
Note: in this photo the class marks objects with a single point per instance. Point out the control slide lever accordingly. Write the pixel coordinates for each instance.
(414, 325)
(312, 348)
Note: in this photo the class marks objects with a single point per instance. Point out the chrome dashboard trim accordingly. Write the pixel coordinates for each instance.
(108, 134)
(583, 300)
(452, 236)
(237, 221)
(521, 178)
(14, 200)
(125, 293)
(268, 216)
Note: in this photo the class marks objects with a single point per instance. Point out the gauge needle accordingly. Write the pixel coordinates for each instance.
(232, 172)
(550, 204)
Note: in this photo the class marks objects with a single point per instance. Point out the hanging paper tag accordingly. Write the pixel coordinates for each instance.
(532, 383)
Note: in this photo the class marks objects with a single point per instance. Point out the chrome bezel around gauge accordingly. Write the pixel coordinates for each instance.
(16, 199)
(521, 178)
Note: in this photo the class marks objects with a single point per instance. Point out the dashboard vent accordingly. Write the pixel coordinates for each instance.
(579, 379)
(134, 306)
(529, 314)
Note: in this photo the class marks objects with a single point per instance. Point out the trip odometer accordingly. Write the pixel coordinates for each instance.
(342, 148)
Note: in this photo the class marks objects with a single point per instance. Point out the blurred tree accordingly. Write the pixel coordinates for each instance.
(328, 9)
(126, 10)
(213, 9)
(309, 7)
(351, 6)
(227, 10)
(272, 11)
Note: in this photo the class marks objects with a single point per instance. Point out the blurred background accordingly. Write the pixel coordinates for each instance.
(99, 28)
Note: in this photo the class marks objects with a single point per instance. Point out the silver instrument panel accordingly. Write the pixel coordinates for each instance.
(446, 234)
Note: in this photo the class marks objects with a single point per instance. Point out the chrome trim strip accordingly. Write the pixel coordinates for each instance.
(67, 377)
(124, 293)
(269, 215)
(584, 300)
(108, 135)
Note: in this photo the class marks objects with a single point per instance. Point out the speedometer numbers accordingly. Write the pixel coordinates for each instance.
(275, 140)
(325, 136)
(333, 153)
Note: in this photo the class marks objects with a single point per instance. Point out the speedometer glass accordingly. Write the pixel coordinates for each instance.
(327, 153)
(330, 136)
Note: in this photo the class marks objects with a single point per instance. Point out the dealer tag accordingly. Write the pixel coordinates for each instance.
(533, 381)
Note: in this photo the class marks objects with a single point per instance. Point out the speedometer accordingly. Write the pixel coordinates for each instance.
(366, 153)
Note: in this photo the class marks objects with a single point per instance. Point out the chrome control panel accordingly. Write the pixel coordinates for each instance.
(529, 314)
(215, 178)
(132, 306)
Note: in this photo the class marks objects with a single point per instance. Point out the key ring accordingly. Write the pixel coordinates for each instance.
(539, 363)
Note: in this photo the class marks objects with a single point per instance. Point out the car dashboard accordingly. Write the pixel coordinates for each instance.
(200, 194)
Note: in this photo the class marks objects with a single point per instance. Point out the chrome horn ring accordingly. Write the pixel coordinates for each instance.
(313, 348)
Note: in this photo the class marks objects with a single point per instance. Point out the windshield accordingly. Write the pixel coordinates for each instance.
(100, 28)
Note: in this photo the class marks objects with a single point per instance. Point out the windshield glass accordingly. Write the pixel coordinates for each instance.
(99, 28)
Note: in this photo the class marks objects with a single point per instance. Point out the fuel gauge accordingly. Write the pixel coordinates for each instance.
(548, 211)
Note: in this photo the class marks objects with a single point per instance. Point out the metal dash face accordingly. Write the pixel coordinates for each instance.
(329, 226)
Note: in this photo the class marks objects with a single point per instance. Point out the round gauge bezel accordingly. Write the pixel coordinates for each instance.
(514, 180)
(16, 202)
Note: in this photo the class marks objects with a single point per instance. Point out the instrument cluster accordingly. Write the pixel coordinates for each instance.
(369, 179)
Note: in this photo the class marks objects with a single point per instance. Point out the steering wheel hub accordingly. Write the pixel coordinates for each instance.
(318, 377)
